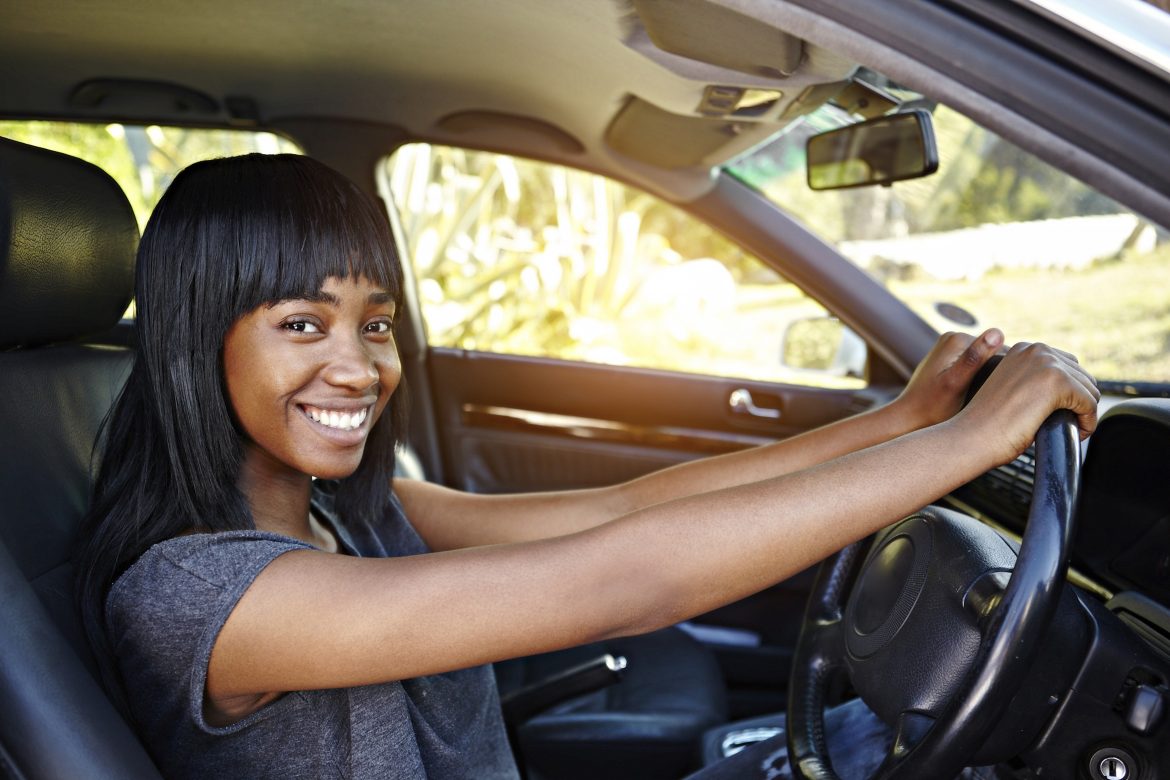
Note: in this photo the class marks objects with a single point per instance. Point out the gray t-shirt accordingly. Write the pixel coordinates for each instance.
(164, 614)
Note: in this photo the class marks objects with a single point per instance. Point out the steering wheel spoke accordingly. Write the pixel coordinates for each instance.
(912, 727)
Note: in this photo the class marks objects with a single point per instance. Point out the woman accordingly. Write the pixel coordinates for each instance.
(211, 583)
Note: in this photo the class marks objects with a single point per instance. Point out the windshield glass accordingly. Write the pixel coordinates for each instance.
(995, 238)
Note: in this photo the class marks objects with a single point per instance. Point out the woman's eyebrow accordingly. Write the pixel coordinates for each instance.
(379, 298)
(320, 296)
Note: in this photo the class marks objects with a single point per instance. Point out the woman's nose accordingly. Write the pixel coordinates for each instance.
(351, 365)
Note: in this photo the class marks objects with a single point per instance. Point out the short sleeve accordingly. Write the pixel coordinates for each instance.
(165, 612)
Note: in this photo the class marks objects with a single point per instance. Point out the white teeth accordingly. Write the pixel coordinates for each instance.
(344, 421)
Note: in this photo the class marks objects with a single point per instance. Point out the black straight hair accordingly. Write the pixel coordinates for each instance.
(227, 237)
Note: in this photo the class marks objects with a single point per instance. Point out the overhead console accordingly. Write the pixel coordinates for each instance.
(736, 82)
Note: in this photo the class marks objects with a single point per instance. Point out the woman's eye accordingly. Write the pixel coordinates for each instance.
(301, 326)
(379, 326)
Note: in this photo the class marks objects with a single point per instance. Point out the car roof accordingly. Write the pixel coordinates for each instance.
(556, 73)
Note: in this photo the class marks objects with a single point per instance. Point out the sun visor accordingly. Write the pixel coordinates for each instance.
(639, 130)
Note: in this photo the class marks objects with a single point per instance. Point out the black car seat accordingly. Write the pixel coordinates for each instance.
(67, 243)
(647, 726)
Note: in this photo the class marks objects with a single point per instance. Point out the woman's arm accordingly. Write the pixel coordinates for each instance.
(449, 519)
(314, 620)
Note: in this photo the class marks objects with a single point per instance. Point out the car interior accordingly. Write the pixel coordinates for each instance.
(1060, 669)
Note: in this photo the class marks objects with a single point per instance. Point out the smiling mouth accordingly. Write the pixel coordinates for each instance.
(337, 420)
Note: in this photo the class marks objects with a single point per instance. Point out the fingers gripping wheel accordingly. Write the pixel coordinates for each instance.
(904, 619)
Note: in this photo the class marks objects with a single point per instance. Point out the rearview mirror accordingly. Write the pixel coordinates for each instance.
(877, 151)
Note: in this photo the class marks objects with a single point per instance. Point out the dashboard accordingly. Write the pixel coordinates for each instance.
(1123, 538)
(1114, 712)
(1122, 542)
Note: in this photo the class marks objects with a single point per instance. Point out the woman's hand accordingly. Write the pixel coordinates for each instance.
(936, 391)
(1031, 382)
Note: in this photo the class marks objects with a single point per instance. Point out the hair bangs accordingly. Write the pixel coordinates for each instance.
(303, 224)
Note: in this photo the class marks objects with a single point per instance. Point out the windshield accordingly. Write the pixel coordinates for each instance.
(995, 238)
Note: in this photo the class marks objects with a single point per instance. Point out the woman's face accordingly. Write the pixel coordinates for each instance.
(308, 377)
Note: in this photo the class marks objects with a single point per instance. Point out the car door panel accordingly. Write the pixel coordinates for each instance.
(508, 423)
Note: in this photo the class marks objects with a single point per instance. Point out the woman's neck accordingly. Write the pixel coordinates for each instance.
(280, 504)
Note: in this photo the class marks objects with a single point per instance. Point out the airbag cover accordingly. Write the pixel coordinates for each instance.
(911, 626)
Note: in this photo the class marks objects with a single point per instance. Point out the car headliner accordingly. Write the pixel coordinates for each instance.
(571, 65)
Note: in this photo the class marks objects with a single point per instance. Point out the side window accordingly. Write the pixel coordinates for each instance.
(527, 258)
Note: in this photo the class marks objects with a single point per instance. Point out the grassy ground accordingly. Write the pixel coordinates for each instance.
(1115, 315)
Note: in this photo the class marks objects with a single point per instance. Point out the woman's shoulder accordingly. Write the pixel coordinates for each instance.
(205, 550)
(172, 570)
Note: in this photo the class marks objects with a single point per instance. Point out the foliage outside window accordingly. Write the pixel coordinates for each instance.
(142, 159)
(1015, 242)
(526, 258)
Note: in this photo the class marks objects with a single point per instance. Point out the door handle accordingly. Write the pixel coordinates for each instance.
(741, 402)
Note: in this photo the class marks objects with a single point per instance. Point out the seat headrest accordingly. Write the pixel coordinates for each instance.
(67, 242)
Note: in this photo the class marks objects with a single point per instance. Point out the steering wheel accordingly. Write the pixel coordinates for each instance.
(932, 640)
